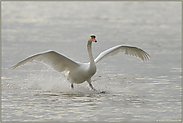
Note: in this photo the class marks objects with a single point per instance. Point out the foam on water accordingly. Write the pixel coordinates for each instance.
(53, 83)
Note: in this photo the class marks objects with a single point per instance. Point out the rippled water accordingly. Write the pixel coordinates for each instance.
(127, 88)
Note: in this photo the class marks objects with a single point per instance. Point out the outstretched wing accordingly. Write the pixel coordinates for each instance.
(51, 58)
(128, 50)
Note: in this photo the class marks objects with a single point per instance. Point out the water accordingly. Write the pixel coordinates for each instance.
(134, 90)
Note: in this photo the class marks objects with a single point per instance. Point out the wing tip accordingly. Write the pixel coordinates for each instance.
(146, 58)
(13, 67)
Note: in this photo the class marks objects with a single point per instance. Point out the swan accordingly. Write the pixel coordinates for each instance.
(81, 72)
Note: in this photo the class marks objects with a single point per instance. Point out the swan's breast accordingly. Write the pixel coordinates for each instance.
(82, 73)
(92, 70)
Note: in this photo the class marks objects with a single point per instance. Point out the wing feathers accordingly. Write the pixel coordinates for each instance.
(50, 58)
(126, 49)
(60, 62)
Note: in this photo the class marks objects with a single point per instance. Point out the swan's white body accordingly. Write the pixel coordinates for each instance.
(81, 72)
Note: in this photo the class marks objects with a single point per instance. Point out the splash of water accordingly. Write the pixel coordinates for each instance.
(55, 84)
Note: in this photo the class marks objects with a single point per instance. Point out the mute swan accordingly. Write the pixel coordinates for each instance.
(81, 72)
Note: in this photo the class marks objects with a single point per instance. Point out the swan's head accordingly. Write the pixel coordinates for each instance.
(92, 38)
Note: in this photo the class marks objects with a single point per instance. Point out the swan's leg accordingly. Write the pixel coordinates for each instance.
(89, 82)
(91, 86)
(72, 86)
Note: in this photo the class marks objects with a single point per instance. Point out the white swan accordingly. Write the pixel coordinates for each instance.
(81, 72)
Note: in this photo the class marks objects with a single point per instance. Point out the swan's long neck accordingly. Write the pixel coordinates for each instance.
(92, 67)
(89, 48)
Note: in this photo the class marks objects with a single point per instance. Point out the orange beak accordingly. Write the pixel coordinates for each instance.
(93, 38)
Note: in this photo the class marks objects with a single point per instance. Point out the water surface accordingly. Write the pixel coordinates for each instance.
(134, 90)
